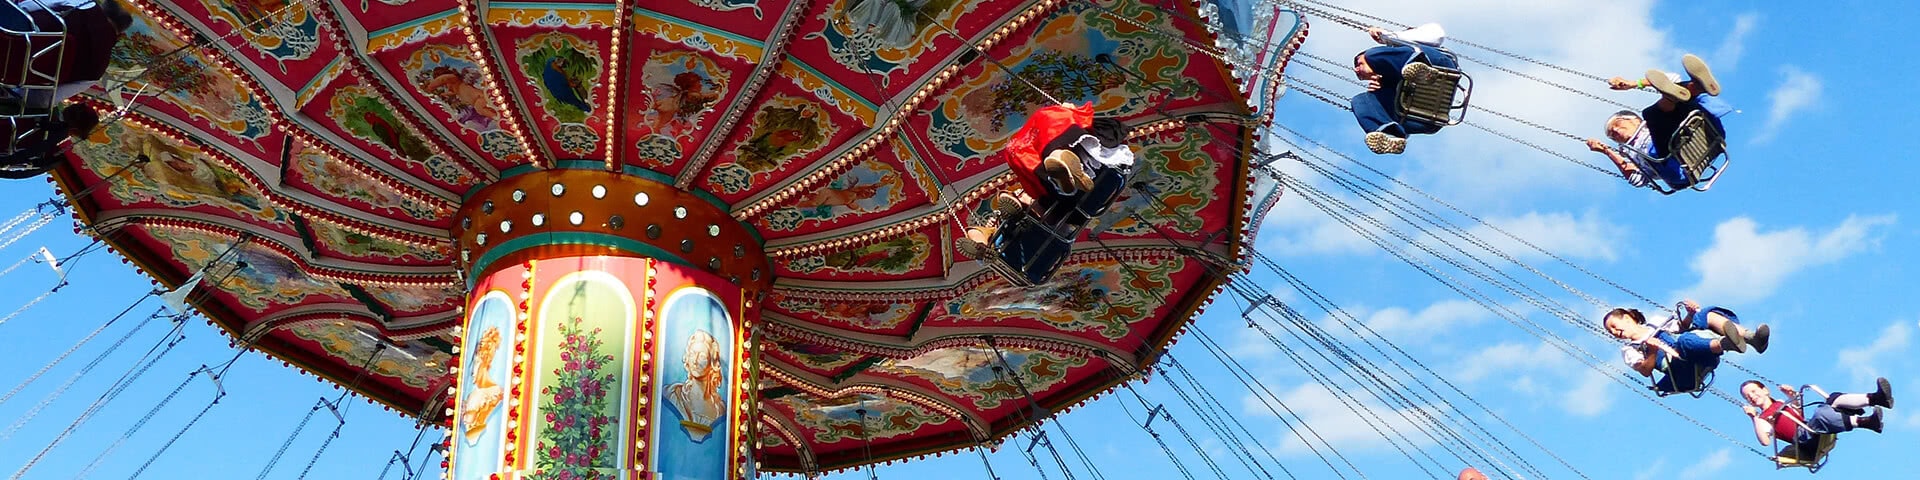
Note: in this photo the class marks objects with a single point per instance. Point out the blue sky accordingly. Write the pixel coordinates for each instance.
(1812, 231)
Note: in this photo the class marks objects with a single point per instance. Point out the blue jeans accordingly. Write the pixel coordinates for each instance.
(1687, 373)
(1822, 420)
(1699, 319)
(1379, 110)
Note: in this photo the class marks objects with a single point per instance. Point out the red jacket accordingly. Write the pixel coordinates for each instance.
(1024, 148)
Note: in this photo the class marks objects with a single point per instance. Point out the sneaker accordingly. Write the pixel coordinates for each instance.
(1874, 422)
(1666, 86)
(1758, 339)
(1702, 75)
(1064, 165)
(974, 248)
(1882, 397)
(1420, 72)
(1383, 144)
(1733, 341)
(1005, 203)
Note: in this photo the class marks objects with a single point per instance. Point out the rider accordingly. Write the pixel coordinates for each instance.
(41, 149)
(1409, 54)
(1843, 412)
(1645, 134)
(1056, 153)
(1676, 344)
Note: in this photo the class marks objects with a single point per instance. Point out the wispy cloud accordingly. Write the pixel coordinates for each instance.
(1745, 264)
(1727, 57)
(1540, 371)
(1865, 362)
(1798, 92)
(1329, 414)
(1710, 466)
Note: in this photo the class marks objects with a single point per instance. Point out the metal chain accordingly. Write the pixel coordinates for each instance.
(44, 219)
(275, 459)
(1475, 218)
(1299, 186)
(137, 425)
(1513, 55)
(176, 436)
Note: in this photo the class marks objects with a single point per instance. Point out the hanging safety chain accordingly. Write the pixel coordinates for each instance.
(1315, 197)
(141, 366)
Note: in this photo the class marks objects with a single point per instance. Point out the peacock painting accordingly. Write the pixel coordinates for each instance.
(565, 70)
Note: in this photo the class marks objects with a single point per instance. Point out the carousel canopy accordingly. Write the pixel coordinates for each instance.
(328, 145)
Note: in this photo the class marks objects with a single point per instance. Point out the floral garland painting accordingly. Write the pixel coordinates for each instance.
(574, 445)
(584, 325)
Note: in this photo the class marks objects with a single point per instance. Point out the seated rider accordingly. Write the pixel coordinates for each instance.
(1409, 54)
(1674, 344)
(1055, 154)
(1843, 412)
(92, 29)
(1646, 134)
(41, 148)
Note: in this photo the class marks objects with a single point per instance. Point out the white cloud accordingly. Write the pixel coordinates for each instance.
(1561, 233)
(1655, 470)
(1709, 466)
(1440, 317)
(1346, 431)
(1727, 57)
(1745, 264)
(1864, 363)
(1542, 372)
(1798, 91)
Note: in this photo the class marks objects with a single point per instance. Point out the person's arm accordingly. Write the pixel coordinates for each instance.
(1627, 168)
(1656, 342)
(1429, 34)
(1762, 429)
(1644, 365)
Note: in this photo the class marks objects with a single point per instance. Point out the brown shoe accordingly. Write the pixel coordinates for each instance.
(1383, 144)
(978, 249)
(1666, 86)
(1005, 203)
(1065, 168)
(1697, 69)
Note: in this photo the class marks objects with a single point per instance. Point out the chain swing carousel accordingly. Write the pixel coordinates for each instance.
(684, 240)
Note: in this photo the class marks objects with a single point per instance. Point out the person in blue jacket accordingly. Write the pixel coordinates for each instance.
(1409, 54)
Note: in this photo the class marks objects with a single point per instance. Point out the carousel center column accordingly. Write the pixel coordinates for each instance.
(607, 332)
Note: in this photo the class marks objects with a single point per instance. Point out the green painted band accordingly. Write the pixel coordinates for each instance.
(616, 242)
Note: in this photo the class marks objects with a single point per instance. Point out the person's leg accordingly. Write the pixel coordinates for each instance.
(1882, 396)
(1700, 350)
(1375, 115)
(1701, 75)
(1724, 322)
(1825, 419)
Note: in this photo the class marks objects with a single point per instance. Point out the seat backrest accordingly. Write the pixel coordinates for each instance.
(1431, 101)
(1696, 143)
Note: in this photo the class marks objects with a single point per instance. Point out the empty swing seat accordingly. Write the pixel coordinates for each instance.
(1034, 242)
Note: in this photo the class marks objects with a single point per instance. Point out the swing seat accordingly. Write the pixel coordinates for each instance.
(1700, 378)
(1439, 99)
(1697, 151)
(1034, 242)
(1787, 455)
(32, 49)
